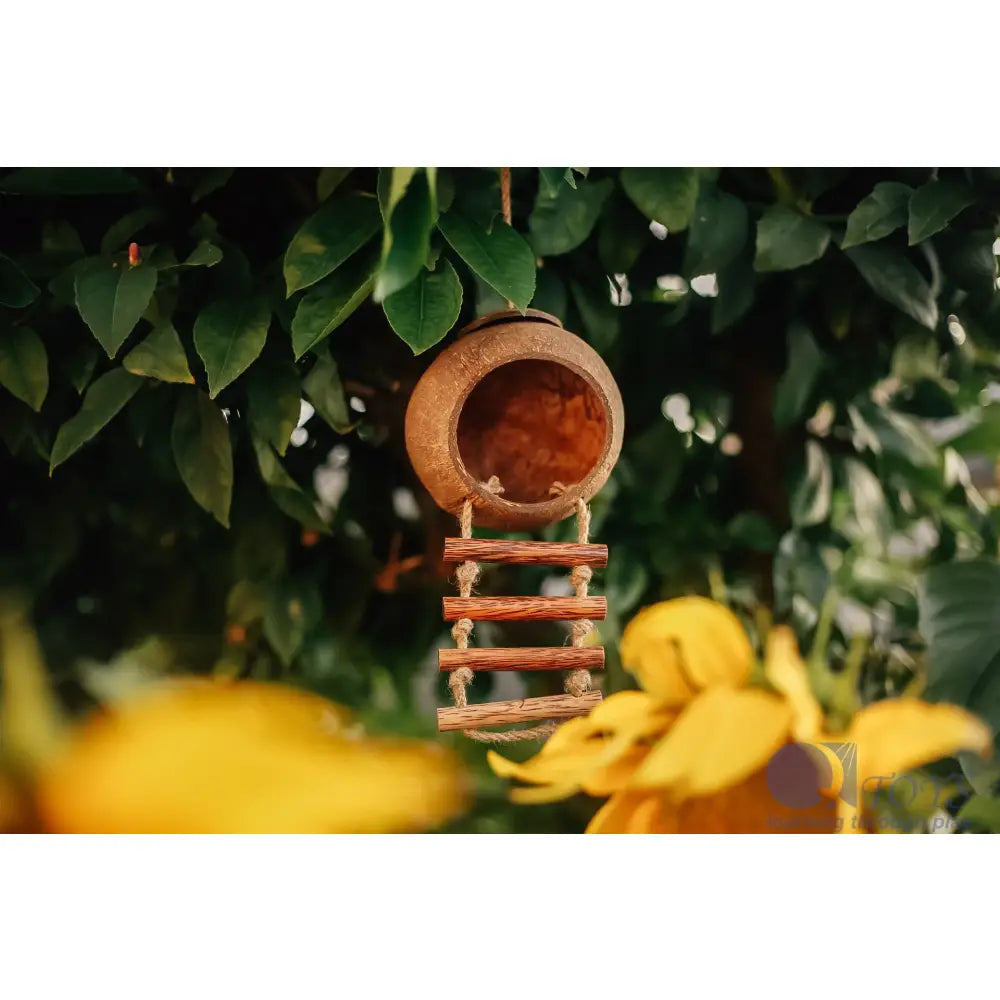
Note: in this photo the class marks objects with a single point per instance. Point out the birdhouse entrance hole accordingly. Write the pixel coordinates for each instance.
(532, 423)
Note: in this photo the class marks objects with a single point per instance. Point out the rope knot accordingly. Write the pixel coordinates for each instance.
(581, 576)
(578, 683)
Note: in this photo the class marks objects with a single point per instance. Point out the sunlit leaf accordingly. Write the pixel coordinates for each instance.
(329, 237)
(161, 356)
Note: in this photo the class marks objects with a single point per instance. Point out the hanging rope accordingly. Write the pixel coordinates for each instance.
(577, 683)
(505, 205)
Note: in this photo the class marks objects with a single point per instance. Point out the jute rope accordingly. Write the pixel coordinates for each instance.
(577, 683)
(505, 204)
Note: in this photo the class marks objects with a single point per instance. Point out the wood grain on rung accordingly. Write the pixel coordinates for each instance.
(499, 713)
(524, 553)
(525, 658)
(508, 609)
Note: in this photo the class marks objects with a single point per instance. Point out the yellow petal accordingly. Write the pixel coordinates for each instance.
(631, 812)
(723, 736)
(785, 669)
(678, 647)
(615, 776)
(29, 715)
(899, 734)
(241, 758)
(585, 747)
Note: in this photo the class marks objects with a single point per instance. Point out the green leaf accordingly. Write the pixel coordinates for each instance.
(328, 180)
(101, 403)
(934, 205)
(59, 237)
(325, 391)
(983, 437)
(341, 227)
(286, 493)
(787, 239)
(17, 290)
(601, 318)
(550, 294)
(753, 531)
(882, 212)
(203, 452)
(718, 232)
(24, 366)
(211, 180)
(502, 258)
(885, 431)
(667, 195)
(552, 179)
(292, 610)
(126, 227)
(228, 336)
(407, 239)
(111, 297)
(810, 501)
(330, 303)
(424, 311)
(959, 606)
(892, 277)
(868, 503)
(623, 233)
(981, 812)
(161, 355)
(79, 364)
(205, 254)
(737, 283)
(562, 222)
(68, 181)
(805, 361)
(274, 395)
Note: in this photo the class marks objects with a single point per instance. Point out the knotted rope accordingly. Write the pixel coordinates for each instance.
(577, 683)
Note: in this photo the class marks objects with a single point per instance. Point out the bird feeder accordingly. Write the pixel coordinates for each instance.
(516, 426)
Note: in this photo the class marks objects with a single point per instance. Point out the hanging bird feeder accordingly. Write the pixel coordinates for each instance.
(516, 426)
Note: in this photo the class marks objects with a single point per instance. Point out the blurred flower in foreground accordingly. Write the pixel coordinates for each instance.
(690, 753)
(206, 757)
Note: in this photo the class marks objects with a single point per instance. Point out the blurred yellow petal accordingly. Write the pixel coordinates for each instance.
(615, 816)
(723, 736)
(786, 671)
(678, 647)
(241, 758)
(30, 724)
(899, 734)
(615, 776)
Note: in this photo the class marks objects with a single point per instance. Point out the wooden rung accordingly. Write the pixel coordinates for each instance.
(498, 713)
(527, 658)
(524, 553)
(524, 608)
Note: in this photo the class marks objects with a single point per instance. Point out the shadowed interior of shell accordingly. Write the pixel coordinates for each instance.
(532, 423)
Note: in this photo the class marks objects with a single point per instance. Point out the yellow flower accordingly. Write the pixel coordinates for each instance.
(698, 749)
(216, 757)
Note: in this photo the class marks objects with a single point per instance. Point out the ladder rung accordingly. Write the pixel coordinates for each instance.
(526, 658)
(498, 713)
(524, 608)
(524, 553)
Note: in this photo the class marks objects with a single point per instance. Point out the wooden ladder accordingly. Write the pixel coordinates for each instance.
(498, 550)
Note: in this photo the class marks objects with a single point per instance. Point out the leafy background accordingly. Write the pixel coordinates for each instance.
(204, 375)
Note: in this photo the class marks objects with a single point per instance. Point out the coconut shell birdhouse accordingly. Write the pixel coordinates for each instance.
(516, 426)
